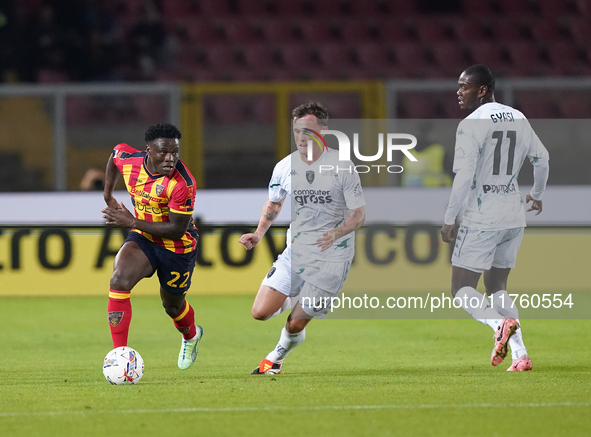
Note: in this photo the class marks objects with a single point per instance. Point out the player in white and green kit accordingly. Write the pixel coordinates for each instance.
(327, 207)
(491, 145)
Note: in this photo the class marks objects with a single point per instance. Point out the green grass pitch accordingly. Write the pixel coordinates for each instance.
(349, 378)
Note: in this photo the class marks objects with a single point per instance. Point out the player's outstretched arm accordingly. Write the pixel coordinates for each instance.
(352, 223)
(174, 229)
(270, 212)
(111, 176)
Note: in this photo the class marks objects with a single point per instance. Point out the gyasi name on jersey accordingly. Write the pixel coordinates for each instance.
(502, 116)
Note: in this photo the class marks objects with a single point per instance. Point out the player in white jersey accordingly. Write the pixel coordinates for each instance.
(491, 146)
(327, 208)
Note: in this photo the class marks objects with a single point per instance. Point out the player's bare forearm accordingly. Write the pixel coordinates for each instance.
(270, 212)
(174, 229)
(352, 223)
(111, 176)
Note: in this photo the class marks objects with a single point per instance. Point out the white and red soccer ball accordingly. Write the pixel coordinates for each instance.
(123, 366)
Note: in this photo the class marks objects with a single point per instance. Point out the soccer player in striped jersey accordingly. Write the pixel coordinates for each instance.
(163, 238)
(491, 145)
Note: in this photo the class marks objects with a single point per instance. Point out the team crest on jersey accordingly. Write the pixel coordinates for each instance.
(115, 317)
(310, 176)
(271, 272)
(159, 189)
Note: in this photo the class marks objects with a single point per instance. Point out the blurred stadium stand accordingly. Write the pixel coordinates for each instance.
(145, 38)
(276, 41)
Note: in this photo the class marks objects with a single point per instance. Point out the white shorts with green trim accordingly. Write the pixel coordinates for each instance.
(313, 282)
(480, 250)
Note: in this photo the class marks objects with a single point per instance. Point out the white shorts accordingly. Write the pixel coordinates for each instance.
(480, 250)
(279, 276)
(313, 282)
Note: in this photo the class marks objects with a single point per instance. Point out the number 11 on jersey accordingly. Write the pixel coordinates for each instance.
(498, 135)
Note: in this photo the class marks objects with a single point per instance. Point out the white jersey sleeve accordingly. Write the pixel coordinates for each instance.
(465, 159)
(280, 183)
(280, 186)
(466, 150)
(539, 157)
(352, 191)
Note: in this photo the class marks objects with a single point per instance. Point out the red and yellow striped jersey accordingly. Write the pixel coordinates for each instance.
(154, 195)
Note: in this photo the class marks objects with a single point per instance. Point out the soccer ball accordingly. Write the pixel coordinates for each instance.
(123, 366)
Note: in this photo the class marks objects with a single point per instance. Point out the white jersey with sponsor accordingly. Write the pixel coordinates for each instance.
(321, 201)
(493, 142)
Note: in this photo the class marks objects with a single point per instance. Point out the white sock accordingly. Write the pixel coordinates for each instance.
(286, 306)
(502, 302)
(504, 305)
(477, 305)
(287, 343)
(516, 344)
(194, 338)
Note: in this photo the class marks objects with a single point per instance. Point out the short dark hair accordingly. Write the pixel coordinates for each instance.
(312, 108)
(481, 75)
(162, 130)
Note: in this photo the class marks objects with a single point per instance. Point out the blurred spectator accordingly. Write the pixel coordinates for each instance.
(93, 180)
